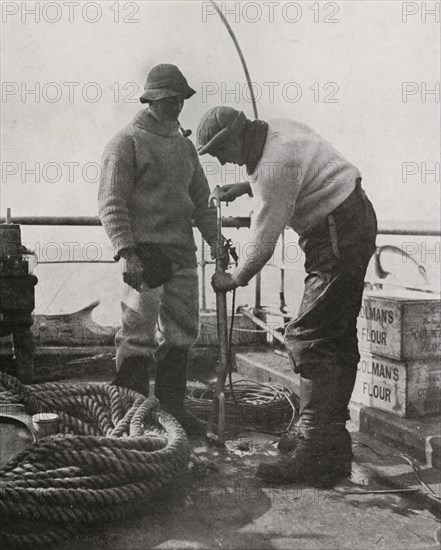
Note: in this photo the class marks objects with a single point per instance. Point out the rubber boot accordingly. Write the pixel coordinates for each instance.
(134, 374)
(346, 383)
(170, 388)
(343, 392)
(323, 453)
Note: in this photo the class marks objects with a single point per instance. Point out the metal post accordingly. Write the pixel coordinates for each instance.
(203, 275)
(218, 408)
(282, 275)
(258, 292)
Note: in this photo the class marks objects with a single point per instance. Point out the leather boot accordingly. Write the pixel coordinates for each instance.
(340, 414)
(346, 383)
(342, 446)
(134, 374)
(316, 460)
(323, 452)
(312, 407)
(170, 388)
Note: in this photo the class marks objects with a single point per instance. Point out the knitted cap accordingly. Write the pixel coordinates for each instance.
(165, 81)
(216, 125)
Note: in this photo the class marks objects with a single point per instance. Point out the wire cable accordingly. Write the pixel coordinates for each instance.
(416, 469)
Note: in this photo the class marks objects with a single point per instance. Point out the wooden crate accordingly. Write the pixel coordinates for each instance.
(408, 389)
(404, 326)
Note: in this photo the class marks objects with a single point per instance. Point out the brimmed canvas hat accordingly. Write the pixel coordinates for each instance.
(163, 81)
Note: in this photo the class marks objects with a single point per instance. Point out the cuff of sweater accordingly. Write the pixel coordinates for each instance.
(241, 277)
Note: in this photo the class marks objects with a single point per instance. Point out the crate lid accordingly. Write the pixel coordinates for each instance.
(403, 295)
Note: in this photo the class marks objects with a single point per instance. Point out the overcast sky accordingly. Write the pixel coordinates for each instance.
(341, 67)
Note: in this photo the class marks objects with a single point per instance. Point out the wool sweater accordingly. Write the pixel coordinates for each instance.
(152, 186)
(299, 180)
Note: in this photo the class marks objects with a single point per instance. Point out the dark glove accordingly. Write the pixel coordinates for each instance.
(158, 268)
(147, 265)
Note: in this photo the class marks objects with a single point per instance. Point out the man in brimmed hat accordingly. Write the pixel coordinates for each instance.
(152, 187)
(299, 180)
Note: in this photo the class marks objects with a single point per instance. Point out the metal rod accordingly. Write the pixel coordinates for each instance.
(258, 291)
(76, 262)
(242, 59)
(282, 275)
(230, 221)
(262, 324)
(218, 408)
(203, 273)
(277, 313)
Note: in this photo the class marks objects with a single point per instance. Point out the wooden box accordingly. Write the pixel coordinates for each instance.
(408, 389)
(404, 326)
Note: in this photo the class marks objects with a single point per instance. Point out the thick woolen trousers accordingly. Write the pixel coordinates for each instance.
(155, 320)
(322, 340)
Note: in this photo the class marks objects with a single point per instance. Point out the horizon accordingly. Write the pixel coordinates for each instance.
(365, 75)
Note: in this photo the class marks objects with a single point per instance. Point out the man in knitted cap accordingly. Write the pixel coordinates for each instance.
(152, 187)
(299, 180)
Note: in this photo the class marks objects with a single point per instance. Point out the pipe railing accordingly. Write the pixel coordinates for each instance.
(227, 222)
(391, 228)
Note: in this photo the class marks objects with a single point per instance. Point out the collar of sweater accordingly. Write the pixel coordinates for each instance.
(254, 141)
(147, 122)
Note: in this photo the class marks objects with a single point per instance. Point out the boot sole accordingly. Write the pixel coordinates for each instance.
(320, 479)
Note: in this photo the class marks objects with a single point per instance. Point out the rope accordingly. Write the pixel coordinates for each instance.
(250, 403)
(115, 449)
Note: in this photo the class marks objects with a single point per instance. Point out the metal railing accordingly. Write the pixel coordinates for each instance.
(391, 228)
(227, 222)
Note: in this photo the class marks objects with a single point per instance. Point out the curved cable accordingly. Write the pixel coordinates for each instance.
(254, 103)
(239, 51)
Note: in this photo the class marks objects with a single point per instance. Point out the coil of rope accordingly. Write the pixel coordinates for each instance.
(268, 408)
(115, 449)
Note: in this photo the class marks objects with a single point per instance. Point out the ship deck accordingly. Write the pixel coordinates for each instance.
(220, 503)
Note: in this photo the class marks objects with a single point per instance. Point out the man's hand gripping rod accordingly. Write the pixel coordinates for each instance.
(218, 409)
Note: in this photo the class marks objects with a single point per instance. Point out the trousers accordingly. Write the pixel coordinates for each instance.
(322, 340)
(156, 320)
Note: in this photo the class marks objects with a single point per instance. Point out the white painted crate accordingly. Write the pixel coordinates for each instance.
(404, 326)
(408, 389)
